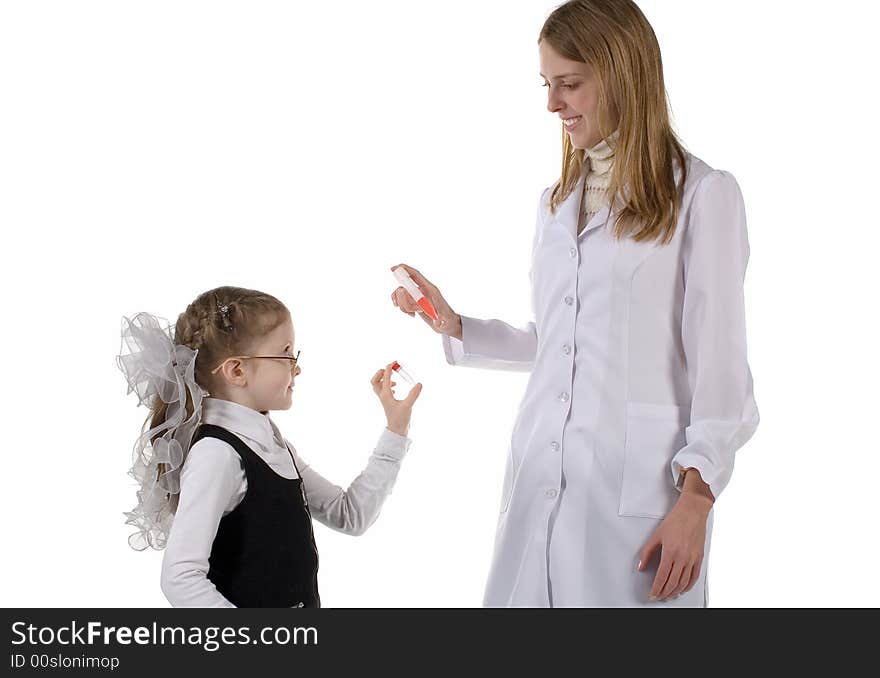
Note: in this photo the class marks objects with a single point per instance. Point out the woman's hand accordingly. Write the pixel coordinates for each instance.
(449, 321)
(681, 539)
(398, 412)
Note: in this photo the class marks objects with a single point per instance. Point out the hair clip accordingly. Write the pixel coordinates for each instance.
(224, 313)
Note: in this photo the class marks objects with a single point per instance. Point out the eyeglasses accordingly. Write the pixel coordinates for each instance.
(294, 360)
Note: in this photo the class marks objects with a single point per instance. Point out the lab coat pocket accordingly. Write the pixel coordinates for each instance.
(654, 433)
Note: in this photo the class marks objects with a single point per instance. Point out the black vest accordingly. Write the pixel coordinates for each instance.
(264, 554)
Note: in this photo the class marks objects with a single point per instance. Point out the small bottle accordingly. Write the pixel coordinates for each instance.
(410, 286)
(403, 373)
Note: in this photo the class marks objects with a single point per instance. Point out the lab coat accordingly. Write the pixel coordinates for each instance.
(638, 365)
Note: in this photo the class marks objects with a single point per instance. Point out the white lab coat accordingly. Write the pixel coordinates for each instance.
(638, 369)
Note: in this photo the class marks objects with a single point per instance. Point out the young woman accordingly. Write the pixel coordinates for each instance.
(640, 390)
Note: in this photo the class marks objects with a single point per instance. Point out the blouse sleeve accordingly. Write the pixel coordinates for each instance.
(353, 510)
(209, 481)
(723, 411)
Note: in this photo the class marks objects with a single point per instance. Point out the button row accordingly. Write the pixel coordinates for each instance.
(563, 397)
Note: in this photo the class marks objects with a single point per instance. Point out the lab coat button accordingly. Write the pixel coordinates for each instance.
(572, 252)
(566, 349)
(554, 446)
(550, 494)
(569, 300)
(563, 397)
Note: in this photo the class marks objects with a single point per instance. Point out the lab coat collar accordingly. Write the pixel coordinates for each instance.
(568, 213)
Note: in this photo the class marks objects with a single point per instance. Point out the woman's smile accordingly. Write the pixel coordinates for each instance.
(572, 123)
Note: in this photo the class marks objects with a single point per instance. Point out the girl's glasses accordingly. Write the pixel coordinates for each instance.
(294, 360)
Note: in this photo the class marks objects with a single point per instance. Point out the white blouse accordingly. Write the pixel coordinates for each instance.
(213, 483)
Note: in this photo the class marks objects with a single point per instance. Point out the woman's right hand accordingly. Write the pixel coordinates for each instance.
(449, 322)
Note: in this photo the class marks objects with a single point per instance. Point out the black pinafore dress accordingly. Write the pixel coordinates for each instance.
(264, 553)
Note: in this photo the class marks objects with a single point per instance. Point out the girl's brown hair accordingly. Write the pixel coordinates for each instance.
(220, 323)
(616, 40)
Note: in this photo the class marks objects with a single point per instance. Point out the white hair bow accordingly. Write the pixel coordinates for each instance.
(156, 367)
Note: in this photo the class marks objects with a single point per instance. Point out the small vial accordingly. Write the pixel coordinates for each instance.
(403, 373)
(410, 286)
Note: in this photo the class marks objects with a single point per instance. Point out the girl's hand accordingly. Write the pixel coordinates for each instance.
(398, 412)
(681, 539)
(449, 321)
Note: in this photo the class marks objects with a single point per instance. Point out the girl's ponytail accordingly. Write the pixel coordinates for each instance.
(162, 374)
(171, 373)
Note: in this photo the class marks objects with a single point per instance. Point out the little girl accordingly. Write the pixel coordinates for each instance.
(213, 461)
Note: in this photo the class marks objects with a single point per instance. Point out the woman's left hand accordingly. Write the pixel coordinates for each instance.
(681, 539)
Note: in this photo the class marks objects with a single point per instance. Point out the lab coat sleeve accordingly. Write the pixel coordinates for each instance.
(353, 510)
(493, 344)
(723, 411)
(209, 480)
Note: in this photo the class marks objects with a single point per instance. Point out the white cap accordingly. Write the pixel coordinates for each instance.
(408, 283)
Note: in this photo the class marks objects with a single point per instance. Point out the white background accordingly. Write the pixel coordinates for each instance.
(151, 151)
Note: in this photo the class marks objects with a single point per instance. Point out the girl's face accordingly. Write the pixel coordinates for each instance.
(573, 95)
(270, 381)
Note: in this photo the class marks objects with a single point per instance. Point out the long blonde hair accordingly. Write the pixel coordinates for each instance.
(616, 40)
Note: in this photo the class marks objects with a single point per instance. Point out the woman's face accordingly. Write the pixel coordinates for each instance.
(573, 95)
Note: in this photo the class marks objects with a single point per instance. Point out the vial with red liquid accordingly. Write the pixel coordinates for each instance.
(403, 373)
(410, 286)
